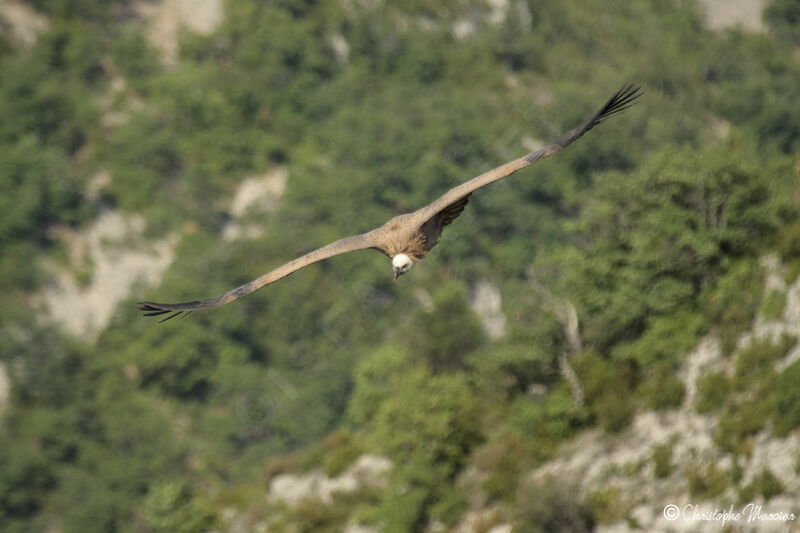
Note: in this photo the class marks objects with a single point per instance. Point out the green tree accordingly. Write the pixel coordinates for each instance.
(657, 237)
(426, 423)
(170, 506)
(431, 333)
(783, 16)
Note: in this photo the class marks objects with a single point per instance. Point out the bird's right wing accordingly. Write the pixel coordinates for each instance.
(620, 101)
(342, 246)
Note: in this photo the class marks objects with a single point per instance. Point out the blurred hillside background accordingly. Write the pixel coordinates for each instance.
(603, 334)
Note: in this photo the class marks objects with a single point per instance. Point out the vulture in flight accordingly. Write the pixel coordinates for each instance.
(407, 238)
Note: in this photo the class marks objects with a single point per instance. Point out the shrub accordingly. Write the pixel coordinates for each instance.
(171, 507)
(768, 485)
(712, 390)
(608, 505)
(755, 363)
(662, 459)
(785, 400)
(706, 483)
(551, 506)
(500, 459)
(663, 389)
(731, 304)
(607, 388)
(740, 421)
(789, 241)
(764, 484)
(613, 410)
(341, 449)
(773, 304)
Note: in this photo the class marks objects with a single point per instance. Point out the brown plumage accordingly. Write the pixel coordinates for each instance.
(405, 238)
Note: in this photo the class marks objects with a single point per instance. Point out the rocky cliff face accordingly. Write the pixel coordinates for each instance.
(107, 259)
(656, 459)
(166, 19)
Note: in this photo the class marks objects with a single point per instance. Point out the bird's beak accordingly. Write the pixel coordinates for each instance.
(396, 273)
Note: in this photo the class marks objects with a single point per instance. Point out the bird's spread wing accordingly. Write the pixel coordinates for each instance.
(431, 219)
(620, 101)
(432, 229)
(350, 244)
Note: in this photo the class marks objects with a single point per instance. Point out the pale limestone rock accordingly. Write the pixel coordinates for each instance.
(23, 21)
(105, 248)
(486, 302)
(258, 195)
(292, 489)
(746, 14)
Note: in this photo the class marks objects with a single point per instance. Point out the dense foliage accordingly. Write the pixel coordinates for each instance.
(651, 227)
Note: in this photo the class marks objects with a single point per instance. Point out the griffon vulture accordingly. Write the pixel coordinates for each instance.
(407, 238)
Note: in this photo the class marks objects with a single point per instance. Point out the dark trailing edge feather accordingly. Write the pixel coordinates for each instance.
(449, 214)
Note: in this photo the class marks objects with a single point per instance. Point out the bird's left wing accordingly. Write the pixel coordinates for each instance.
(620, 101)
(350, 244)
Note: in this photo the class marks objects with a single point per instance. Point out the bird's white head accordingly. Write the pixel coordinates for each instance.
(401, 264)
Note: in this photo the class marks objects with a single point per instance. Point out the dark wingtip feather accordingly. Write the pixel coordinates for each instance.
(156, 313)
(173, 315)
(619, 102)
(154, 309)
(182, 308)
(622, 100)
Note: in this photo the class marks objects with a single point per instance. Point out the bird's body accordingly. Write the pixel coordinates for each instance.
(405, 238)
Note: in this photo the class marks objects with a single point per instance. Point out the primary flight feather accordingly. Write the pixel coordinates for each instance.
(405, 238)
